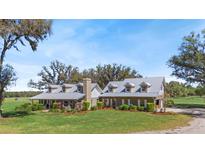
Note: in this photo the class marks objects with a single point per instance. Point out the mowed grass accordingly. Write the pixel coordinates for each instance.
(10, 104)
(190, 102)
(101, 121)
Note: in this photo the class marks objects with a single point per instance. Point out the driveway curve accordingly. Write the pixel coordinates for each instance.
(196, 125)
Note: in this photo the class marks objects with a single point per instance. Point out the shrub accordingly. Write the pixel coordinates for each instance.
(41, 107)
(68, 110)
(133, 107)
(150, 107)
(100, 105)
(34, 106)
(62, 110)
(124, 107)
(37, 106)
(170, 103)
(93, 108)
(74, 110)
(55, 106)
(86, 105)
(25, 108)
(140, 108)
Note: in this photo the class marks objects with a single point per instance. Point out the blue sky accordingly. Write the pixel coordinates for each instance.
(144, 45)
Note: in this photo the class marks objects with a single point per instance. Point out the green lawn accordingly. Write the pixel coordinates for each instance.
(101, 121)
(189, 102)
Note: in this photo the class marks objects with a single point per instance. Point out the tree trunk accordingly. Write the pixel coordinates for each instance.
(1, 101)
(1, 116)
(1, 109)
(1, 67)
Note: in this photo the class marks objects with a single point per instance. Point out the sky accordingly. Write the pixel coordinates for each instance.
(144, 45)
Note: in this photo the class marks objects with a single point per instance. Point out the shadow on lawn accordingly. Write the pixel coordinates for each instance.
(15, 114)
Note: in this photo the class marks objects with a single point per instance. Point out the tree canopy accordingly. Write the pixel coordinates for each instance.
(59, 73)
(16, 32)
(178, 89)
(110, 72)
(56, 73)
(190, 63)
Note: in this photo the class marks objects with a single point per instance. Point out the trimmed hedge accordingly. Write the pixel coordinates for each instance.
(100, 105)
(150, 107)
(93, 108)
(124, 107)
(133, 107)
(55, 106)
(86, 105)
(140, 108)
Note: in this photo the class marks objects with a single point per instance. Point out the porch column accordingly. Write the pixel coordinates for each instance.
(128, 101)
(49, 104)
(107, 102)
(145, 103)
(161, 104)
(138, 102)
(111, 102)
(123, 101)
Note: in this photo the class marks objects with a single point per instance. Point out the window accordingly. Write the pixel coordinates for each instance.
(128, 89)
(143, 89)
(65, 103)
(80, 88)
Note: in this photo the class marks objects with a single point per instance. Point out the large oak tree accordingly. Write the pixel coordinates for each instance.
(189, 64)
(102, 74)
(13, 33)
(59, 73)
(56, 73)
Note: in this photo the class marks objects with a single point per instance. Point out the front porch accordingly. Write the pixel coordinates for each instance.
(61, 104)
(140, 102)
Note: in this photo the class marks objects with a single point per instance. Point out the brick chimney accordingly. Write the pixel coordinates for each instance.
(87, 89)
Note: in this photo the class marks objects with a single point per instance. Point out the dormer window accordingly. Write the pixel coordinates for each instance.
(112, 87)
(63, 88)
(66, 88)
(129, 87)
(51, 88)
(80, 87)
(145, 86)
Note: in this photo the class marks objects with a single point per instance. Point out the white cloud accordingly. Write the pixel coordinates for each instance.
(24, 74)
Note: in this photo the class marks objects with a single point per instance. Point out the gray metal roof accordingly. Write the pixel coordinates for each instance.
(71, 87)
(153, 91)
(71, 93)
(59, 96)
(130, 94)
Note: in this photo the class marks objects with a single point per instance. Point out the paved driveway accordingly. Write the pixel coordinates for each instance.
(196, 126)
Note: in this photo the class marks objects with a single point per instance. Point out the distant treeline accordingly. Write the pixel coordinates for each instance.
(21, 93)
(177, 89)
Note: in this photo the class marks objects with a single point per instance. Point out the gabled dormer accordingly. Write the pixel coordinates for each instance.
(52, 88)
(112, 87)
(66, 87)
(129, 87)
(144, 86)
